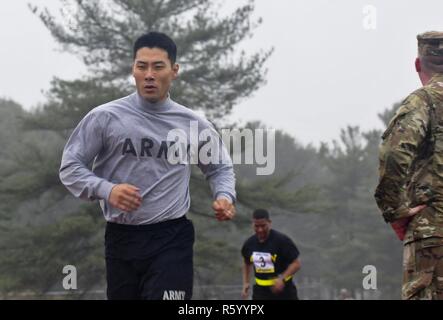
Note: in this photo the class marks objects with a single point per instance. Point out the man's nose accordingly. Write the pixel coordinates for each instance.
(149, 75)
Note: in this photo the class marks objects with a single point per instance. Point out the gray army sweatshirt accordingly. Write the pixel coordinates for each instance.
(129, 141)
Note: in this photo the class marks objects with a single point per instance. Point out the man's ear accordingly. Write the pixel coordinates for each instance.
(133, 69)
(175, 69)
(418, 65)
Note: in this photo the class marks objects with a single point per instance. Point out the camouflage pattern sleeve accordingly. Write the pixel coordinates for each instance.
(401, 140)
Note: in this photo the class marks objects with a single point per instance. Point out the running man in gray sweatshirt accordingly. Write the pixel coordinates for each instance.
(141, 147)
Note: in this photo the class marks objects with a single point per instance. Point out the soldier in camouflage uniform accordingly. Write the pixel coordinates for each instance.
(410, 190)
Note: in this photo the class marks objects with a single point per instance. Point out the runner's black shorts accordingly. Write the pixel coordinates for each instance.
(264, 293)
(150, 262)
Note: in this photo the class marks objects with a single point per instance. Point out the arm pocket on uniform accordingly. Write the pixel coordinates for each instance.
(393, 123)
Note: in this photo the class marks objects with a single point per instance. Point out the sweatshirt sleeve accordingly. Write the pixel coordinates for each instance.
(216, 164)
(83, 146)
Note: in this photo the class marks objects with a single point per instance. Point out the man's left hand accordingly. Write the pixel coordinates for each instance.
(224, 210)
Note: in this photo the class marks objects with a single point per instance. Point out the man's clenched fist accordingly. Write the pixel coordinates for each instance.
(125, 197)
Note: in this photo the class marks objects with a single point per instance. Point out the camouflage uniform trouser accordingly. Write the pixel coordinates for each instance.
(422, 271)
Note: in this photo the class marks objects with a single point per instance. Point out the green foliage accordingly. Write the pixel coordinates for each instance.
(33, 261)
(360, 235)
(68, 102)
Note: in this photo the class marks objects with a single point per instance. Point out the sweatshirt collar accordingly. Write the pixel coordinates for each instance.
(147, 106)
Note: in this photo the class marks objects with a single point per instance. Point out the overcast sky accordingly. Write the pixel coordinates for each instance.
(327, 71)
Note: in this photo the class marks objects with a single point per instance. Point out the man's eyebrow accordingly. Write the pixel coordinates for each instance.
(155, 62)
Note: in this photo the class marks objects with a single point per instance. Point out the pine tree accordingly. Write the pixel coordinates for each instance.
(214, 76)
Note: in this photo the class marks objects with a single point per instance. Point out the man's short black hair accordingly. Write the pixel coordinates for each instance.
(260, 214)
(157, 40)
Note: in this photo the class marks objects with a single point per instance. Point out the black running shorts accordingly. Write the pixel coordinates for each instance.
(150, 262)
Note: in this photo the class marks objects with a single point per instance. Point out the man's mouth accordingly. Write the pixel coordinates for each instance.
(150, 87)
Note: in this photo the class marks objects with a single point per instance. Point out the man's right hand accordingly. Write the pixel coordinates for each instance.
(125, 197)
(416, 210)
(401, 226)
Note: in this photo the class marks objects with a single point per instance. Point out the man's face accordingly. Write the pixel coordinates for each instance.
(153, 73)
(262, 227)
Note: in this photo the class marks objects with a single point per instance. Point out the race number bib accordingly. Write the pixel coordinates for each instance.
(263, 262)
